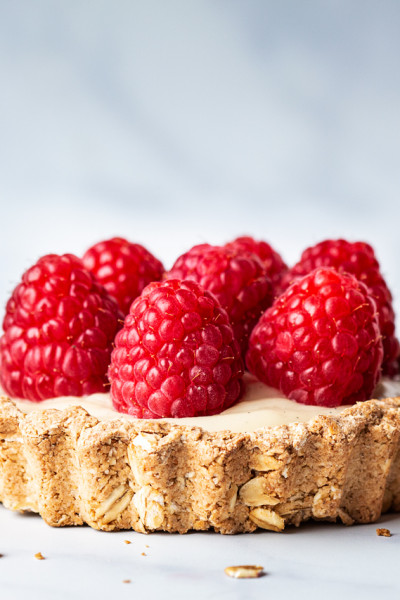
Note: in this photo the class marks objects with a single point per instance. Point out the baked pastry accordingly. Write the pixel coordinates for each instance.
(85, 463)
(266, 461)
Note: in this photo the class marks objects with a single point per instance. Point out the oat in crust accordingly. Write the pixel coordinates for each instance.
(73, 469)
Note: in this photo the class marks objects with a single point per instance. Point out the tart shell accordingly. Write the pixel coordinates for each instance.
(73, 469)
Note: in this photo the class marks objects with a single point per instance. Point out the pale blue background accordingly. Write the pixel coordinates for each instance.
(178, 122)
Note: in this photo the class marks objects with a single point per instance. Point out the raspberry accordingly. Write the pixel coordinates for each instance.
(272, 261)
(320, 342)
(357, 258)
(237, 279)
(58, 332)
(123, 268)
(176, 355)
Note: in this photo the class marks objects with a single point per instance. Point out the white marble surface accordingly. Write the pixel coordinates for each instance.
(315, 561)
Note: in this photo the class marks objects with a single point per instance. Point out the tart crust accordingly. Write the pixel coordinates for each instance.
(73, 469)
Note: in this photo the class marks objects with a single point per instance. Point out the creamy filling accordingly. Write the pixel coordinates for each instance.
(260, 406)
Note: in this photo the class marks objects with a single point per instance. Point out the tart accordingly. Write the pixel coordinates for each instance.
(84, 463)
(264, 461)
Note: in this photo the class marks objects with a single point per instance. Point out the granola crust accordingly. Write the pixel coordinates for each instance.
(73, 469)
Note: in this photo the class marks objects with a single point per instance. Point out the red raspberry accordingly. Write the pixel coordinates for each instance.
(320, 342)
(176, 355)
(123, 268)
(238, 280)
(357, 258)
(271, 260)
(58, 332)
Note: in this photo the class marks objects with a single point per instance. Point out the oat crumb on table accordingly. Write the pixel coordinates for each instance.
(144, 554)
(126, 581)
(127, 542)
(382, 531)
(39, 556)
(245, 571)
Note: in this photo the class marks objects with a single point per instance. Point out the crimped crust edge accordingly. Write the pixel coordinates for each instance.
(73, 469)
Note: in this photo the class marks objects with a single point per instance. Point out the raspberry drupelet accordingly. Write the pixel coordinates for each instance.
(237, 279)
(272, 261)
(123, 268)
(359, 259)
(320, 341)
(59, 327)
(176, 355)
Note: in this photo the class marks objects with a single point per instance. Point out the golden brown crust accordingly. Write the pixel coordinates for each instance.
(72, 469)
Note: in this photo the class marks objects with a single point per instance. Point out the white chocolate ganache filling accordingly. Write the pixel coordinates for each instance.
(260, 406)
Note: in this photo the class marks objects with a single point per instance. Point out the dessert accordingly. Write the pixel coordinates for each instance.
(266, 461)
(177, 475)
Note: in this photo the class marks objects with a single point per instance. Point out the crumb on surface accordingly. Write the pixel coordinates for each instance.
(127, 542)
(245, 571)
(382, 531)
(144, 554)
(1, 555)
(146, 546)
(39, 556)
(126, 581)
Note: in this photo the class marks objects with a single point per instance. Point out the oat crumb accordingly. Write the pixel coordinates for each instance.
(146, 546)
(382, 531)
(39, 556)
(127, 542)
(245, 571)
(1, 555)
(144, 554)
(126, 581)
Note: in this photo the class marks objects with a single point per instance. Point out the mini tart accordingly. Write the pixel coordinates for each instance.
(73, 468)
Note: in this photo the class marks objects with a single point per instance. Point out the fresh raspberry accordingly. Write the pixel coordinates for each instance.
(359, 259)
(320, 341)
(123, 268)
(176, 355)
(271, 260)
(58, 332)
(237, 279)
